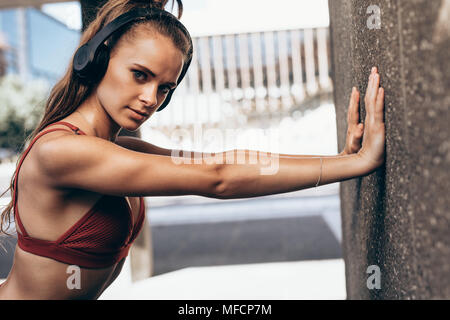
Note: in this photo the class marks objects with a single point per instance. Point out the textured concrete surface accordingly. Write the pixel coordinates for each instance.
(397, 217)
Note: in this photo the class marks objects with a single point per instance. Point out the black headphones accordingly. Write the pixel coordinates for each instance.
(91, 59)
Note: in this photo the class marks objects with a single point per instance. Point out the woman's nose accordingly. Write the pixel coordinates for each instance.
(149, 96)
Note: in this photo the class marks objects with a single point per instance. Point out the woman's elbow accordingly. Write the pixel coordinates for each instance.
(220, 189)
(231, 178)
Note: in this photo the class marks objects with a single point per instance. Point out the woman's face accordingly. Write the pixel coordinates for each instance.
(140, 74)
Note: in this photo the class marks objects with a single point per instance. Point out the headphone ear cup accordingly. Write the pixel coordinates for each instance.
(81, 61)
(100, 64)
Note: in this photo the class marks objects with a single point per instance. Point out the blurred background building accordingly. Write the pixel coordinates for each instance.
(39, 45)
(260, 70)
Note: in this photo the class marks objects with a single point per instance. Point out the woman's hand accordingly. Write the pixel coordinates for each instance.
(373, 144)
(355, 129)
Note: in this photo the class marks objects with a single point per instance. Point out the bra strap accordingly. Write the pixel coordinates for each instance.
(71, 126)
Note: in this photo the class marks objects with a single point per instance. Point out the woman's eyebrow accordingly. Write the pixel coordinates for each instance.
(171, 84)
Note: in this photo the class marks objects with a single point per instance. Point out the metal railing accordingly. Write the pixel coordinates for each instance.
(237, 76)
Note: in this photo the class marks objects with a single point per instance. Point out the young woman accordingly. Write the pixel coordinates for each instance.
(81, 186)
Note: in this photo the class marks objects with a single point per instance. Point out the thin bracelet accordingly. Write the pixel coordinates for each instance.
(320, 172)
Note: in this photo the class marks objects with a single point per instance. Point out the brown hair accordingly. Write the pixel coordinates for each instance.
(69, 92)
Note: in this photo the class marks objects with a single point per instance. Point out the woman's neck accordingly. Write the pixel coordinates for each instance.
(96, 121)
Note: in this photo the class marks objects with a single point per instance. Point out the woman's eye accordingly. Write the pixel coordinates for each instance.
(139, 75)
(165, 90)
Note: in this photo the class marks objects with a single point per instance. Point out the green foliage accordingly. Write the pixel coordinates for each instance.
(21, 109)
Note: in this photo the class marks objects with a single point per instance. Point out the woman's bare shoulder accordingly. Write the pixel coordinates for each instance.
(49, 133)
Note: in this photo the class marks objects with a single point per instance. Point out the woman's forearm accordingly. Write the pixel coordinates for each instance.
(244, 179)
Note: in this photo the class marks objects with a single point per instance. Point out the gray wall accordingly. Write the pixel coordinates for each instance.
(397, 217)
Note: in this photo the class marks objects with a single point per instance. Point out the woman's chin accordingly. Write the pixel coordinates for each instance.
(129, 127)
(132, 125)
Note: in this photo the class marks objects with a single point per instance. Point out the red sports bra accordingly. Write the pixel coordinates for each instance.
(101, 238)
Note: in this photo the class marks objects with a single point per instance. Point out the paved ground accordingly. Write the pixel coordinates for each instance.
(319, 279)
(254, 241)
(263, 229)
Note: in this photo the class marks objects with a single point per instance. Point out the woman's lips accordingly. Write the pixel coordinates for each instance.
(137, 115)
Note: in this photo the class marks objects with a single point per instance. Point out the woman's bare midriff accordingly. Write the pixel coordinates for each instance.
(47, 213)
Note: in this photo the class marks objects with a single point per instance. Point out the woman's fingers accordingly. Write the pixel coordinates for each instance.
(372, 93)
(379, 106)
(360, 130)
(369, 84)
(355, 129)
(373, 85)
(353, 108)
(374, 129)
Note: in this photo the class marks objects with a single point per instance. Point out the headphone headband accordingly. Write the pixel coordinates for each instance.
(89, 60)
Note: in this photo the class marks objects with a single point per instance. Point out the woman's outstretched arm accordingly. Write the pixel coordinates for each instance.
(91, 163)
(291, 174)
(245, 179)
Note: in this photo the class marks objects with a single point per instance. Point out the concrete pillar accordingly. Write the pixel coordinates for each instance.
(397, 218)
